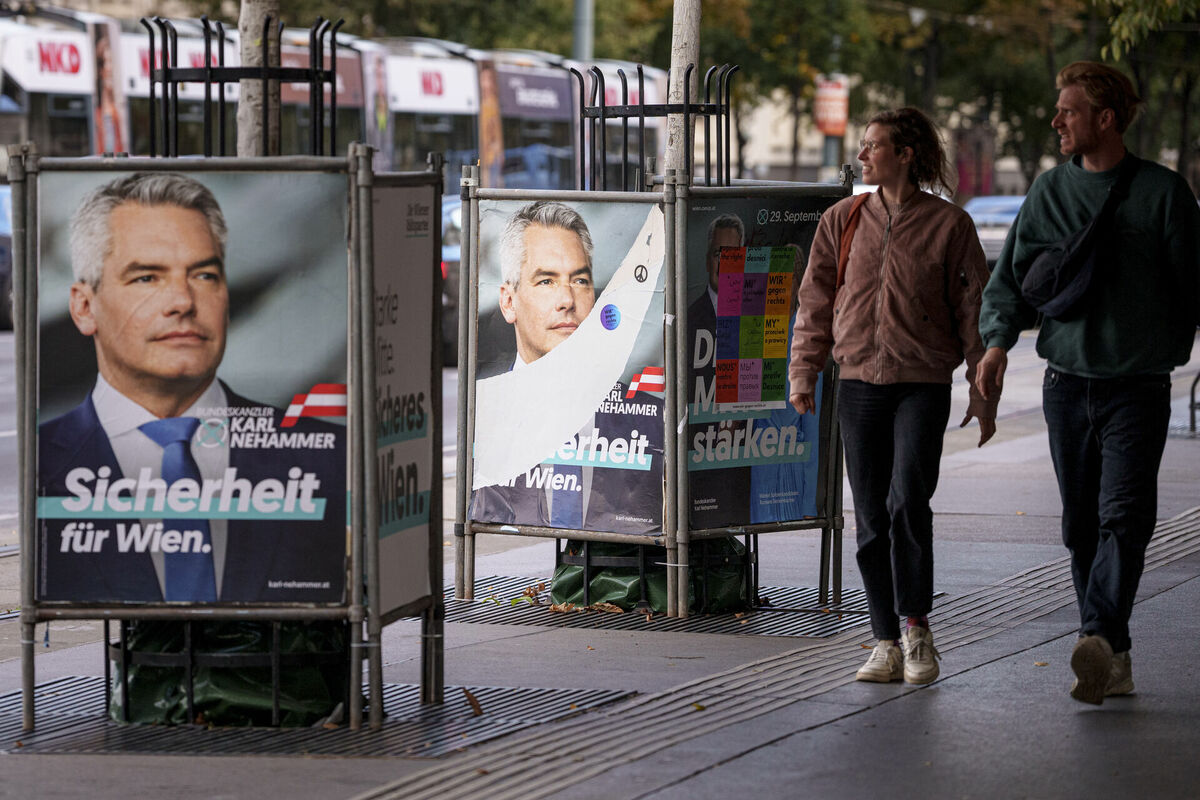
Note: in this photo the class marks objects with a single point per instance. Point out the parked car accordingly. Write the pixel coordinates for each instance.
(451, 255)
(6, 260)
(993, 216)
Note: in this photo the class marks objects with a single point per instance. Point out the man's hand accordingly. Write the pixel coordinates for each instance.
(803, 403)
(989, 374)
(987, 427)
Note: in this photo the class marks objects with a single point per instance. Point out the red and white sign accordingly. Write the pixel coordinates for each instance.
(831, 104)
(432, 85)
(349, 77)
(135, 63)
(47, 61)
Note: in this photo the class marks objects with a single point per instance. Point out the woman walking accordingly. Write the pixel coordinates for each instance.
(893, 289)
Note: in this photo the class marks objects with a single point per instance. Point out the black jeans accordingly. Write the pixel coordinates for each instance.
(893, 439)
(1106, 440)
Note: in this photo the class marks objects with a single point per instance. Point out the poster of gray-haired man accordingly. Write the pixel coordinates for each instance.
(569, 422)
(157, 480)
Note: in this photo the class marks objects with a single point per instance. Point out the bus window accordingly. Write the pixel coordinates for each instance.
(453, 135)
(61, 122)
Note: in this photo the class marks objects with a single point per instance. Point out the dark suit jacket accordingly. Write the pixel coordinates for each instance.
(620, 500)
(256, 552)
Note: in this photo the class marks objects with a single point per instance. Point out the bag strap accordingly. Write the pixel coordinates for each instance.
(1120, 189)
(848, 237)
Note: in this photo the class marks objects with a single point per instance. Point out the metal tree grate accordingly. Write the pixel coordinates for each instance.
(70, 720)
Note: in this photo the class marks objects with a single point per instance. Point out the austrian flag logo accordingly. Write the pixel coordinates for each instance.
(650, 379)
(323, 400)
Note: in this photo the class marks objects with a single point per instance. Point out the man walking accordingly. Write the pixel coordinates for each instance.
(1107, 388)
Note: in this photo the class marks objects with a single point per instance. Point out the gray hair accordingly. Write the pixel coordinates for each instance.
(547, 214)
(90, 232)
(726, 222)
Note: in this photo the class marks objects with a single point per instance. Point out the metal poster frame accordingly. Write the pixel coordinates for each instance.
(673, 193)
(355, 608)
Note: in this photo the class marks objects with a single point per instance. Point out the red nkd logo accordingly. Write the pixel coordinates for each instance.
(431, 83)
(58, 57)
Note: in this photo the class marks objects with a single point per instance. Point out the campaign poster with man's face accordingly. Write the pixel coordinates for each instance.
(192, 387)
(751, 458)
(569, 394)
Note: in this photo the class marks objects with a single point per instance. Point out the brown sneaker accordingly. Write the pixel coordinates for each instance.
(1120, 676)
(1091, 661)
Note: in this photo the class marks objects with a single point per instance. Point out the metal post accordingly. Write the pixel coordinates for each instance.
(707, 131)
(728, 116)
(221, 89)
(433, 619)
(467, 477)
(358, 459)
(24, 320)
(153, 130)
(624, 132)
(333, 87)
(641, 123)
(582, 133)
(678, 270)
(466, 330)
(369, 427)
(208, 82)
(174, 39)
(671, 407)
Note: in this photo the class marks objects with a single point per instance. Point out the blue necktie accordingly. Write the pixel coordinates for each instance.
(566, 504)
(187, 576)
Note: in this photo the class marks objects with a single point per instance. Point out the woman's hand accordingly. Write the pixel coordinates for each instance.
(803, 403)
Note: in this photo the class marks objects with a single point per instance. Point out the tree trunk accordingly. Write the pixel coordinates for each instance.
(685, 49)
(250, 102)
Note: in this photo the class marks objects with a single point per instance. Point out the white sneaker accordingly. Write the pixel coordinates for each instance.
(1120, 677)
(885, 664)
(920, 656)
(1091, 661)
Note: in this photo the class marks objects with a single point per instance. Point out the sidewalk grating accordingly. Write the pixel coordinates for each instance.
(70, 720)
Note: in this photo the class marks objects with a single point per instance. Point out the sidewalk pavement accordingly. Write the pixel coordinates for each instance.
(777, 716)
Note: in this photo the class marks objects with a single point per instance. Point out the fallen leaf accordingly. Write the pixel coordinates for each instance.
(331, 726)
(697, 706)
(743, 622)
(476, 708)
(866, 646)
(738, 614)
(20, 743)
(1020, 513)
(573, 706)
(483, 771)
(590, 647)
(608, 607)
(1041, 663)
(562, 608)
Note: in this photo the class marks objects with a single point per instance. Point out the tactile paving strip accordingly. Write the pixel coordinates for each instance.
(70, 720)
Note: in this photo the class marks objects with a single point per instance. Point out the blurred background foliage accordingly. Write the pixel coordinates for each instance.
(969, 62)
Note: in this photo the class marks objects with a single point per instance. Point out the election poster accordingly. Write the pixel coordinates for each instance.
(751, 458)
(403, 255)
(570, 381)
(191, 440)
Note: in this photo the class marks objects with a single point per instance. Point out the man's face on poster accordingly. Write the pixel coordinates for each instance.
(159, 313)
(553, 294)
(722, 237)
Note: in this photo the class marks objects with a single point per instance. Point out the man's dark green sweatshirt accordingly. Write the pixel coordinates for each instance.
(1140, 315)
